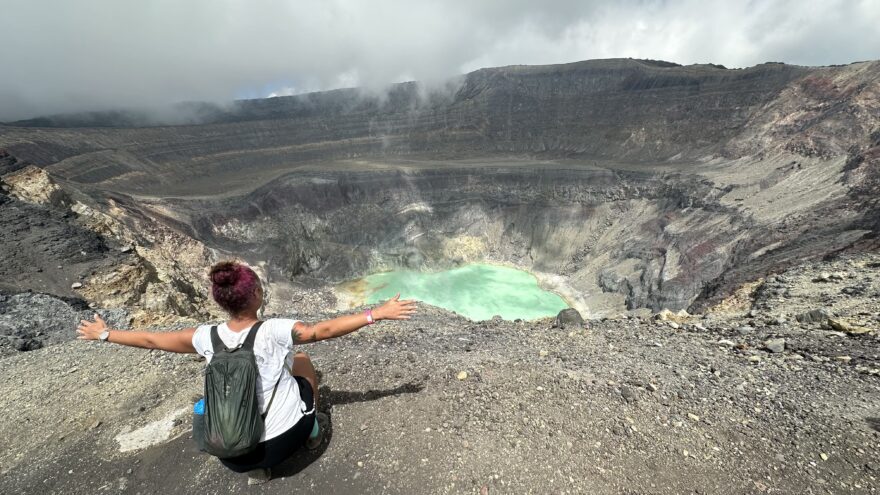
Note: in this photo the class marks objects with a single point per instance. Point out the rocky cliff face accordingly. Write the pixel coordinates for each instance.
(612, 108)
(632, 183)
(600, 228)
(98, 255)
(622, 239)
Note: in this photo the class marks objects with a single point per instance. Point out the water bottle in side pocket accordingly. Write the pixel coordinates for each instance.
(199, 424)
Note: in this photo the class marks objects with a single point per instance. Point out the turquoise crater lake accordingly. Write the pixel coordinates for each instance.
(477, 291)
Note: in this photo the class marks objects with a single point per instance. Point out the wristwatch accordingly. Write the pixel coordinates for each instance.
(104, 335)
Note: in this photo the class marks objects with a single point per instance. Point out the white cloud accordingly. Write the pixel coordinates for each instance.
(92, 54)
(283, 91)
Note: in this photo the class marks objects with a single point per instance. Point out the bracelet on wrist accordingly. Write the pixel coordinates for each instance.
(369, 314)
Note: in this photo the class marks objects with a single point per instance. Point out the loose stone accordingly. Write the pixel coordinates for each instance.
(775, 345)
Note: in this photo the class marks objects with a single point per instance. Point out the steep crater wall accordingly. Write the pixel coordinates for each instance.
(629, 183)
(619, 109)
(618, 239)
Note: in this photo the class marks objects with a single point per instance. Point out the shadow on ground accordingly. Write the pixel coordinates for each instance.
(328, 398)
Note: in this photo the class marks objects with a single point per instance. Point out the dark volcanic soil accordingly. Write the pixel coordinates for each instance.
(621, 406)
(46, 251)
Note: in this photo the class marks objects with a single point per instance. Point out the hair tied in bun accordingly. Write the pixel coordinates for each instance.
(234, 285)
(225, 275)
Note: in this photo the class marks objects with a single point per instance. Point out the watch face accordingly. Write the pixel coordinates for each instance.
(104, 335)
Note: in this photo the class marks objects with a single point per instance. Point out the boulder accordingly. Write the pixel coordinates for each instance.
(819, 315)
(667, 315)
(569, 318)
(842, 326)
(775, 345)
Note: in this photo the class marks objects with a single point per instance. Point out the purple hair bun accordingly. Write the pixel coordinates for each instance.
(234, 285)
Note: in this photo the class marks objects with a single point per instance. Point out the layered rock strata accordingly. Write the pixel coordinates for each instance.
(629, 184)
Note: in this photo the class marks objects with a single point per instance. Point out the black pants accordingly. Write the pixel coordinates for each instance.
(275, 450)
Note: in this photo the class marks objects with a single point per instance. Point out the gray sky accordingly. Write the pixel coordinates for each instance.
(60, 55)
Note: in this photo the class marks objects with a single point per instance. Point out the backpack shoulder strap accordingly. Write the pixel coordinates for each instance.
(274, 389)
(251, 336)
(216, 343)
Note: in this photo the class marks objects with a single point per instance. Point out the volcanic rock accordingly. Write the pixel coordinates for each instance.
(819, 315)
(305, 183)
(775, 345)
(843, 326)
(569, 318)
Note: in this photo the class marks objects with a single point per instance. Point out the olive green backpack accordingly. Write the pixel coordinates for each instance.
(232, 423)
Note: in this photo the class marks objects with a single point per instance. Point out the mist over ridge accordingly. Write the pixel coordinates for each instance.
(101, 55)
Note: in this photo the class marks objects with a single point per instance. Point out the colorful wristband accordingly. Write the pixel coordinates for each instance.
(369, 314)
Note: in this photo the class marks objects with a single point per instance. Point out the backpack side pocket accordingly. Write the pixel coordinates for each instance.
(198, 424)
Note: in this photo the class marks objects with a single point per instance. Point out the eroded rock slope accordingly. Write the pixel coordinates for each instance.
(630, 184)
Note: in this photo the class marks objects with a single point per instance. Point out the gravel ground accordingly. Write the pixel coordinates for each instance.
(441, 404)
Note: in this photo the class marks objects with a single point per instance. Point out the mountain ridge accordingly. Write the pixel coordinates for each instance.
(204, 112)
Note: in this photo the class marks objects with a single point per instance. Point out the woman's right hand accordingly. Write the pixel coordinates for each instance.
(395, 309)
(91, 330)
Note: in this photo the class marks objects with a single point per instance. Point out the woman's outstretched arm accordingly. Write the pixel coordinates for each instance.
(392, 309)
(176, 341)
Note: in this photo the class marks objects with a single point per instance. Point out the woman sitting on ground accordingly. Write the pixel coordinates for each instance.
(291, 421)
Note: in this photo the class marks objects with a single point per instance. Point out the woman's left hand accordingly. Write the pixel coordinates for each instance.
(395, 309)
(91, 330)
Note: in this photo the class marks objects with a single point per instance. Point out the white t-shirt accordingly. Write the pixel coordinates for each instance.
(272, 350)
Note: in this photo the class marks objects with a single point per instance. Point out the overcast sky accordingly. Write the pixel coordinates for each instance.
(60, 56)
